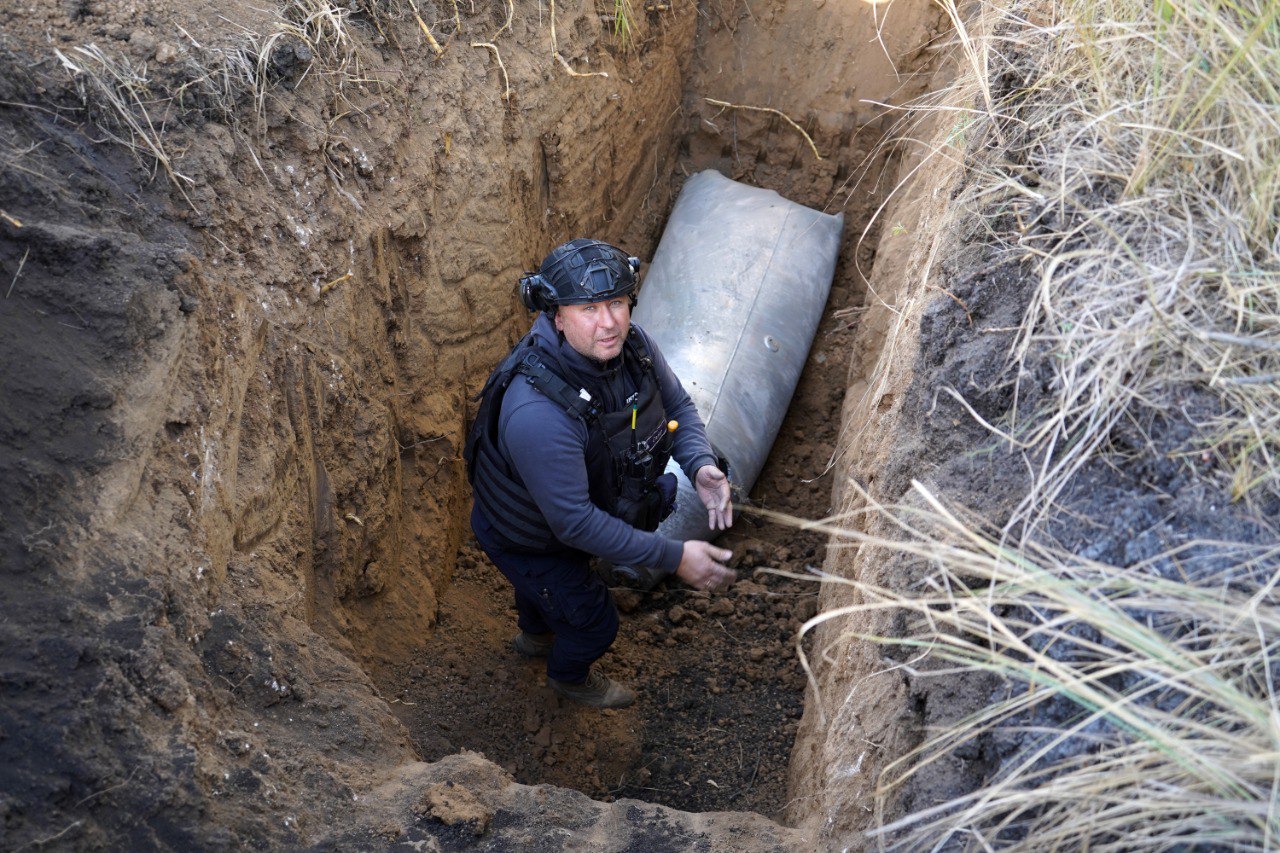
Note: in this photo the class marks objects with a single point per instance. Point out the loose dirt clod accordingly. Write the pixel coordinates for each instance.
(453, 804)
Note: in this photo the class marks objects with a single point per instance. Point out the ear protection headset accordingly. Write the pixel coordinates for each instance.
(537, 294)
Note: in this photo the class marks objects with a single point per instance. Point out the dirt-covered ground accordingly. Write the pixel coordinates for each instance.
(253, 266)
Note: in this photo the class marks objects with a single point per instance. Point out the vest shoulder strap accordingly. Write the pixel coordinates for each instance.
(578, 404)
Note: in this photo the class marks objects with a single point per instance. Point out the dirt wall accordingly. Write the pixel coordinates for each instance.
(256, 376)
(863, 714)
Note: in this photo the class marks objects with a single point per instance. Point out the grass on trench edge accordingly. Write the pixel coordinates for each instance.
(134, 107)
(1138, 704)
(1127, 155)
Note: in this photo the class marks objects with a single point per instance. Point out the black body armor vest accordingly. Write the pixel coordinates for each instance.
(626, 452)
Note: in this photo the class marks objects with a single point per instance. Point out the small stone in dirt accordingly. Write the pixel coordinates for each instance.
(543, 737)
(166, 53)
(143, 39)
(757, 654)
(237, 743)
(627, 599)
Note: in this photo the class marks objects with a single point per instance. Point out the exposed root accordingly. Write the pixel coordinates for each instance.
(22, 263)
(332, 284)
(506, 25)
(426, 31)
(506, 82)
(555, 50)
(569, 68)
(728, 106)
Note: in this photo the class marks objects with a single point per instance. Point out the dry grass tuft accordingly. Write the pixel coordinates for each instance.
(233, 81)
(134, 106)
(1125, 156)
(1130, 154)
(1143, 699)
(124, 93)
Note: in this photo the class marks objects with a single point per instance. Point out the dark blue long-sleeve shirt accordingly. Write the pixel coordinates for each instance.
(547, 449)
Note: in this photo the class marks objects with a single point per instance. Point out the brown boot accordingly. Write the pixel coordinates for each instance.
(598, 691)
(533, 645)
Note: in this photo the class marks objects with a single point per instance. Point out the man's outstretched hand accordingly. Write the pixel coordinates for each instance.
(702, 566)
(713, 491)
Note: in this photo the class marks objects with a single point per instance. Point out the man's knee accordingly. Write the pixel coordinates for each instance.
(605, 631)
(589, 611)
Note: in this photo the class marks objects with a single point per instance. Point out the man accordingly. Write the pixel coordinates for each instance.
(566, 459)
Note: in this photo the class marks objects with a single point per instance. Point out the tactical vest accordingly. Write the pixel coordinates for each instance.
(626, 452)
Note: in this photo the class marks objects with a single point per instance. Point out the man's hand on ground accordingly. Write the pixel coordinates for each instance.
(702, 566)
(713, 490)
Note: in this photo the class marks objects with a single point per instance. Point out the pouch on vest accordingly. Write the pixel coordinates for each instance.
(645, 506)
(641, 445)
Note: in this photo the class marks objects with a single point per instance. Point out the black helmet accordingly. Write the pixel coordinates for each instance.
(579, 272)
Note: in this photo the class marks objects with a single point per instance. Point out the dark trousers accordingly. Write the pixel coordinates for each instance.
(556, 592)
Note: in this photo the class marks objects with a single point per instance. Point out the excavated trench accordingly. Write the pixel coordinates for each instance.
(264, 547)
(721, 687)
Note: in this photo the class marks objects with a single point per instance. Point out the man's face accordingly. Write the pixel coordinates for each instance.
(597, 329)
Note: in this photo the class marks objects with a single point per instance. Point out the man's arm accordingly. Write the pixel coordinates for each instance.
(546, 447)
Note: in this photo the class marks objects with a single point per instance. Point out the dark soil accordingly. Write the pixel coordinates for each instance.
(718, 682)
